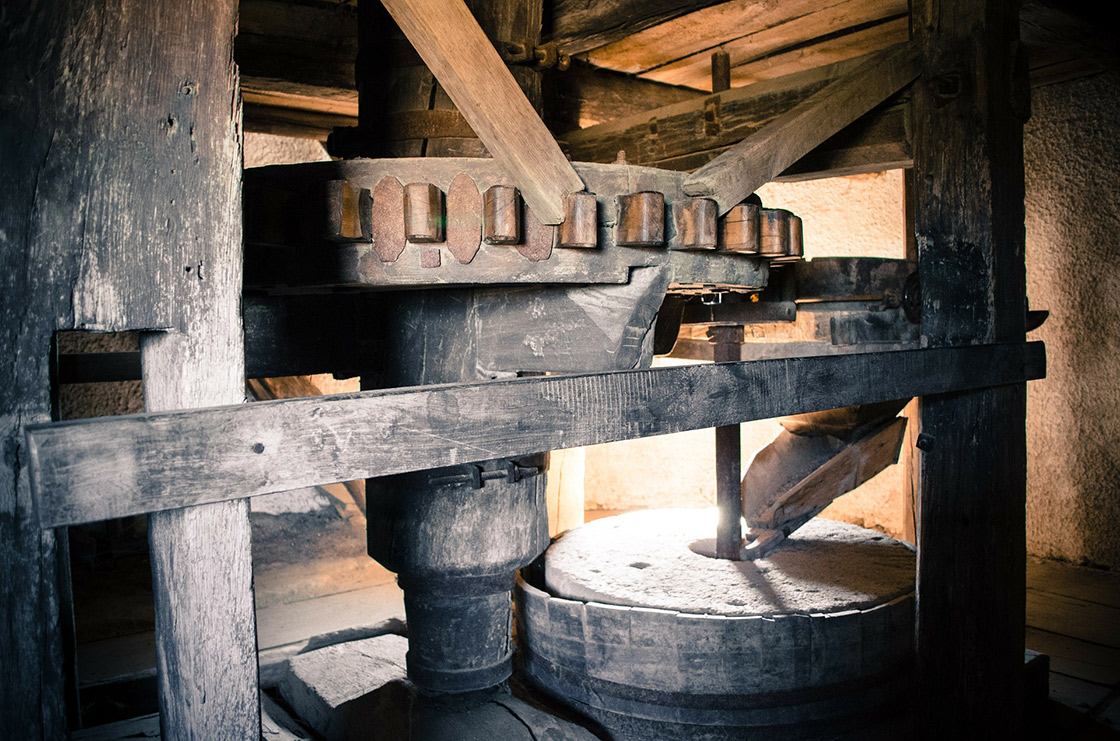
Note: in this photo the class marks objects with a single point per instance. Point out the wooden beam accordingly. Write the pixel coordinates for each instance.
(583, 96)
(464, 61)
(111, 467)
(120, 129)
(576, 25)
(744, 168)
(969, 214)
(823, 34)
(689, 134)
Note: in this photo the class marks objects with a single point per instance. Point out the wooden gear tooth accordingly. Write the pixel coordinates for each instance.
(388, 230)
(739, 229)
(501, 215)
(795, 249)
(340, 216)
(464, 218)
(773, 232)
(641, 219)
(696, 221)
(423, 213)
(580, 227)
(539, 237)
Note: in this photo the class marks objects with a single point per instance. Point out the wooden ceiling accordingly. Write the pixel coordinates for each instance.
(296, 56)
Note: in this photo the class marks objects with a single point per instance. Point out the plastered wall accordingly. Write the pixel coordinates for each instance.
(1073, 270)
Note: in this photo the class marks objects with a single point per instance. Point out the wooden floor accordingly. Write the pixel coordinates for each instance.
(1073, 616)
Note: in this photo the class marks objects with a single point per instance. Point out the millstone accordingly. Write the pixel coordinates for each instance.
(654, 640)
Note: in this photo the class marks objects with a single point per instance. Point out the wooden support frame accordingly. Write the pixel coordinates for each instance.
(969, 221)
(120, 211)
(453, 45)
(94, 469)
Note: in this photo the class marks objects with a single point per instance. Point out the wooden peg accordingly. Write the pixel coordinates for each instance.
(501, 215)
(580, 227)
(740, 229)
(641, 219)
(773, 232)
(696, 221)
(423, 213)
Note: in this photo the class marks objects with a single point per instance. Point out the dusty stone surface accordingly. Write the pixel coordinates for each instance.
(644, 559)
(349, 690)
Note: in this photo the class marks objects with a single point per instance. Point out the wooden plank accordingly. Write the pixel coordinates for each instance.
(454, 47)
(1078, 582)
(822, 36)
(703, 30)
(1086, 621)
(744, 168)
(111, 467)
(968, 163)
(577, 25)
(700, 123)
(1074, 657)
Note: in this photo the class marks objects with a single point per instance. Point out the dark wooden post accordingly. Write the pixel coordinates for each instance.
(119, 210)
(968, 162)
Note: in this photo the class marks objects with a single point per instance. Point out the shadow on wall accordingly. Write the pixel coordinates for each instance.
(1073, 269)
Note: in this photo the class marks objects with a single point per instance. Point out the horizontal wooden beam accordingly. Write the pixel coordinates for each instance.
(91, 470)
(577, 25)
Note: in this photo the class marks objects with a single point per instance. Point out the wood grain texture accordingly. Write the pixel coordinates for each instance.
(823, 36)
(96, 469)
(968, 161)
(744, 168)
(454, 47)
(577, 25)
(117, 119)
(201, 561)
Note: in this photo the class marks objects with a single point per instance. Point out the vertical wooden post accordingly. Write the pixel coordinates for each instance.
(120, 209)
(969, 215)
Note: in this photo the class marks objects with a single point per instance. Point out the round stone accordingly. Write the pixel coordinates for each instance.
(649, 559)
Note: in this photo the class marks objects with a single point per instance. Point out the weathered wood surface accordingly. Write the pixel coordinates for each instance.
(744, 168)
(577, 26)
(454, 47)
(119, 120)
(111, 467)
(687, 135)
(969, 214)
(583, 95)
(201, 562)
(281, 201)
(784, 37)
(850, 467)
